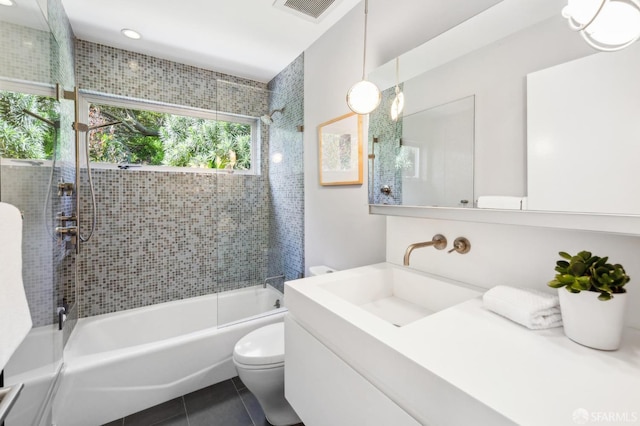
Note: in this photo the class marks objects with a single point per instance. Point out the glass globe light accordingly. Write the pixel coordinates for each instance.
(363, 97)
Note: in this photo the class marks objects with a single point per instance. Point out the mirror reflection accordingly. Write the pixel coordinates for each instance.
(494, 72)
(433, 160)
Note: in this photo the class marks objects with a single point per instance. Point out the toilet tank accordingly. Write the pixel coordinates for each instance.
(320, 270)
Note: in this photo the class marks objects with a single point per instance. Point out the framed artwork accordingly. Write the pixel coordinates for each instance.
(340, 150)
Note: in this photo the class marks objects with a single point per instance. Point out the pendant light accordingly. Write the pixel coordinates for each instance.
(398, 102)
(606, 25)
(364, 96)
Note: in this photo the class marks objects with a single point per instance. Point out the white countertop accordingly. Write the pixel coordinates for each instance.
(531, 377)
(538, 378)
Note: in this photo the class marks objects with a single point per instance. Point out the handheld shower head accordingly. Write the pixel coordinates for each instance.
(268, 119)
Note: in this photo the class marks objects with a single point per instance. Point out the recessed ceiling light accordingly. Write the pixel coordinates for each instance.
(127, 33)
(6, 3)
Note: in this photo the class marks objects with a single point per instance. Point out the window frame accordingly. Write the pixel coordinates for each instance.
(87, 97)
(31, 88)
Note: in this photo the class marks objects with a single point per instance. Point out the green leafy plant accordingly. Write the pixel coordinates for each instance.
(584, 272)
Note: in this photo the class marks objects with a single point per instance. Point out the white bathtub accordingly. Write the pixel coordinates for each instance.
(36, 363)
(120, 363)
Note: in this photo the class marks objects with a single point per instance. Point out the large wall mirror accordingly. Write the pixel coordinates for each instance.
(492, 57)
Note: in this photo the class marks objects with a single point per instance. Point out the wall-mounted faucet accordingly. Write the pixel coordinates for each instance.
(461, 245)
(438, 241)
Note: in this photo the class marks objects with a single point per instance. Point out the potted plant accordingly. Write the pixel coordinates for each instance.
(594, 302)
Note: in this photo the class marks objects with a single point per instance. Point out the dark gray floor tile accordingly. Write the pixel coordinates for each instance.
(255, 410)
(156, 414)
(118, 422)
(238, 383)
(253, 407)
(180, 420)
(217, 405)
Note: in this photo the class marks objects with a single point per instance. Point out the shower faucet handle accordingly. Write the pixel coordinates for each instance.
(65, 188)
(62, 218)
(63, 231)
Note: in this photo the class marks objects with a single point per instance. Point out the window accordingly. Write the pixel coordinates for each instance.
(160, 135)
(22, 134)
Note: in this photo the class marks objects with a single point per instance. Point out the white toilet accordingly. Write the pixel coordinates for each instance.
(259, 359)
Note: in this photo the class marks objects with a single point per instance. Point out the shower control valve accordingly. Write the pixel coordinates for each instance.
(65, 188)
(63, 219)
(63, 231)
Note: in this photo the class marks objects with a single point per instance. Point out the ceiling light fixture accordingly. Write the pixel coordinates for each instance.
(132, 34)
(6, 3)
(398, 102)
(364, 96)
(606, 25)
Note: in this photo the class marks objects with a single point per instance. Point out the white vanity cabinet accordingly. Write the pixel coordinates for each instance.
(346, 364)
(324, 390)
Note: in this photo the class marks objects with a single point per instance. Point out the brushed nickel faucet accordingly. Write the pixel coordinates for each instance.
(438, 241)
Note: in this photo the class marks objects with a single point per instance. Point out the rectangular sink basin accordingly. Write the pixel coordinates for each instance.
(396, 294)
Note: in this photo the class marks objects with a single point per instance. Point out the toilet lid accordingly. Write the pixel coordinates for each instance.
(262, 346)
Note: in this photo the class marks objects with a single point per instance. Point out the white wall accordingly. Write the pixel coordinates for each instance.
(339, 232)
(338, 229)
(509, 255)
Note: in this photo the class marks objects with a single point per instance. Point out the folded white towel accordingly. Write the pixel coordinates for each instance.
(15, 319)
(532, 308)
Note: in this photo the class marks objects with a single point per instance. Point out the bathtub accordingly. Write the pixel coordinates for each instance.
(36, 363)
(120, 363)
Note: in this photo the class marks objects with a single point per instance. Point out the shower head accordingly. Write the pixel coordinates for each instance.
(268, 119)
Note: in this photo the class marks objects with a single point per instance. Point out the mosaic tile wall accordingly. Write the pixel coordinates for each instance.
(286, 174)
(386, 150)
(120, 72)
(165, 236)
(63, 45)
(25, 187)
(26, 53)
(63, 59)
(35, 55)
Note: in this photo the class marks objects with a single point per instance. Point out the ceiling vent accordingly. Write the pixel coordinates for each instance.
(311, 10)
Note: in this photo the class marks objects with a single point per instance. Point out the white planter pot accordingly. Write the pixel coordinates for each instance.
(592, 322)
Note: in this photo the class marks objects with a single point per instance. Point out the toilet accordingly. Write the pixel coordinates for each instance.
(259, 359)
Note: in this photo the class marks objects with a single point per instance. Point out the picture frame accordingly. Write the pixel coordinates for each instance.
(340, 150)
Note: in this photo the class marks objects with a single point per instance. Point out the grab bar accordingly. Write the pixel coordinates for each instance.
(8, 397)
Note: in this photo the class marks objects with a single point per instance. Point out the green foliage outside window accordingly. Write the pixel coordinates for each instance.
(142, 137)
(147, 137)
(21, 135)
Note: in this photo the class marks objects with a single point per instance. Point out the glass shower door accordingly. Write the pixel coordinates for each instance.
(31, 138)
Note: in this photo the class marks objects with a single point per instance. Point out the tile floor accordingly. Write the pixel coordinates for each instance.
(224, 404)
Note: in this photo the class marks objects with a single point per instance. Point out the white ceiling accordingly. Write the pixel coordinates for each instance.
(246, 38)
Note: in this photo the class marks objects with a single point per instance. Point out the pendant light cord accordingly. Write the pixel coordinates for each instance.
(397, 74)
(583, 27)
(364, 55)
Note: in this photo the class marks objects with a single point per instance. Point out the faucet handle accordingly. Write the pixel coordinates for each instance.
(439, 242)
(461, 245)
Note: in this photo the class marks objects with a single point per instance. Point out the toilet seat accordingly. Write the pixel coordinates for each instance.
(261, 348)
